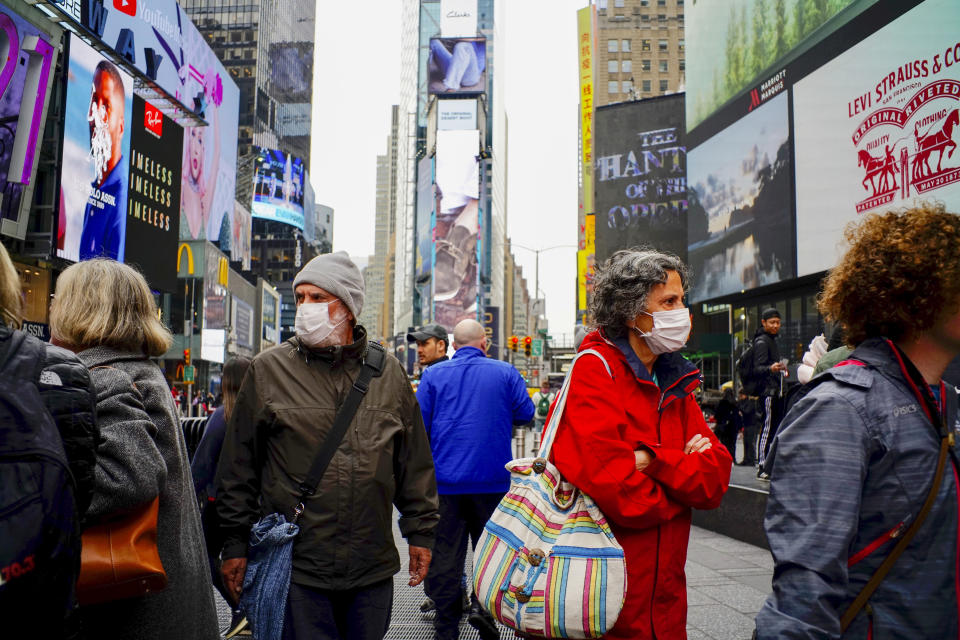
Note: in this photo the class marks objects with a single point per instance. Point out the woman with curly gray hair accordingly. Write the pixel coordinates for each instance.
(634, 439)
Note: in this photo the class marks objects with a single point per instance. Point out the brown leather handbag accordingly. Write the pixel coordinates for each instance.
(119, 558)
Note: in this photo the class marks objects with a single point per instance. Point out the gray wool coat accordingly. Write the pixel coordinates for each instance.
(142, 454)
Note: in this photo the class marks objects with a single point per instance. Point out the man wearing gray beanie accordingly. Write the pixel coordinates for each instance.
(344, 558)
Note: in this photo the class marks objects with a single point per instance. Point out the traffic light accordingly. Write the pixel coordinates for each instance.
(186, 356)
(514, 341)
(527, 345)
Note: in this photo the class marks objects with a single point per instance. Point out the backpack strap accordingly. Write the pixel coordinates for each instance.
(947, 420)
(373, 362)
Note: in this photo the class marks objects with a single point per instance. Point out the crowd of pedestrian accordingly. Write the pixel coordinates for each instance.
(287, 505)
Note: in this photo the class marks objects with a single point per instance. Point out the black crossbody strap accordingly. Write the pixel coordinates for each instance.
(947, 421)
(373, 363)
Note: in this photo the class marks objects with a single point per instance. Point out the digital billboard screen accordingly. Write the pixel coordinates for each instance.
(209, 153)
(640, 176)
(457, 66)
(278, 187)
(880, 126)
(96, 148)
(424, 222)
(740, 231)
(457, 206)
(26, 77)
(153, 207)
(731, 45)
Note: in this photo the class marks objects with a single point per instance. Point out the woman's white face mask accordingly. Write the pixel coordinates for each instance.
(670, 330)
(314, 326)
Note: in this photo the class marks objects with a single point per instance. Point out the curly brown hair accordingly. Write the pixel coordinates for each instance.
(900, 276)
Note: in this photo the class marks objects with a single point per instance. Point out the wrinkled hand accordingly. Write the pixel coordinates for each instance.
(697, 444)
(233, 570)
(643, 459)
(419, 564)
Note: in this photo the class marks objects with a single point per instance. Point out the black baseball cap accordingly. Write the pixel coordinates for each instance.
(426, 332)
(769, 313)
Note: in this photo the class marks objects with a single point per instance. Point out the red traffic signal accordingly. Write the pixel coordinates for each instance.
(186, 356)
(527, 343)
(514, 341)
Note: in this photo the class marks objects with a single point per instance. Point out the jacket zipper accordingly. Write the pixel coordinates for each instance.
(656, 576)
(894, 533)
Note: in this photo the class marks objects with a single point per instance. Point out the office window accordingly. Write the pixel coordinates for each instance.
(683, 64)
(613, 87)
(645, 65)
(612, 46)
(681, 44)
(618, 4)
(663, 66)
(661, 17)
(680, 17)
(645, 45)
(626, 66)
(612, 66)
(627, 86)
(661, 3)
(646, 86)
(663, 85)
(663, 45)
(644, 3)
(645, 18)
(625, 46)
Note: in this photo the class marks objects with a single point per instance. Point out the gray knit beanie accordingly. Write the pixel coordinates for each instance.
(336, 273)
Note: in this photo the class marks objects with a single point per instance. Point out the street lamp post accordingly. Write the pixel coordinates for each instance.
(536, 253)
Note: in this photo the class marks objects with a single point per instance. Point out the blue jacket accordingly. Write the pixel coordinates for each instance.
(470, 404)
(851, 467)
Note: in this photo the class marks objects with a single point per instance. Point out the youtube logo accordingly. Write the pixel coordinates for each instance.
(128, 7)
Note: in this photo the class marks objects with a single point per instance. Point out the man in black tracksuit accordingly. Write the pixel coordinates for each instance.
(768, 369)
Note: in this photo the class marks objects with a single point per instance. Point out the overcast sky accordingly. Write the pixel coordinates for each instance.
(357, 79)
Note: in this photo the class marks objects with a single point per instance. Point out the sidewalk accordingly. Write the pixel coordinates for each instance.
(727, 583)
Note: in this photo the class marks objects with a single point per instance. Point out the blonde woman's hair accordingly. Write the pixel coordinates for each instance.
(102, 302)
(11, 293)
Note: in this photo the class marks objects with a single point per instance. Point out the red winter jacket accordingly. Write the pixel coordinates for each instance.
(604, 422)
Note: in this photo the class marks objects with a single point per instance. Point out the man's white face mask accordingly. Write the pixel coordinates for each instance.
(314, 326)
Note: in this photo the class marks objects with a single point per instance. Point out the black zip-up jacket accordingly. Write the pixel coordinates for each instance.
(766, 353)
(284, 410)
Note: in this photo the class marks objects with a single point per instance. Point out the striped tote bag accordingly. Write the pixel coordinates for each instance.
(547, 563)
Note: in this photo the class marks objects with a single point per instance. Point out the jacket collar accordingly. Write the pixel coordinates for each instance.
(468, 352)
(884, 356)
(676, 376)
(437, 361)
(337, 354)
(101, 355)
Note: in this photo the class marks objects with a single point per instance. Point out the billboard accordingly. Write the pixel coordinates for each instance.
(640, 175)
(740, 227)
(324, 233)
(885, 114)
(96, 147)
(278, 187)
(243, 325)
(458, 18)
(425, 201)
(240, 240)
(209, 153)
(153, 206)
(269, 316)
(457, 66)
(24, 89)
(457, 114)
(455, 233)
(733, 44)
(585, 46)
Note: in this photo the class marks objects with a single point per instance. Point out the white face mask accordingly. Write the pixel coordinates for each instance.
(313, 324)
(670, 330)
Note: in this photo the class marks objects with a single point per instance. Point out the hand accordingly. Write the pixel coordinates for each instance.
(419, 564)
(697, 444)
(777, 367)
(643, 459)
(233, 570)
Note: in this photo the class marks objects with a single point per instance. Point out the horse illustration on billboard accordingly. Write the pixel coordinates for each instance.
(940, 141)
(885, 168)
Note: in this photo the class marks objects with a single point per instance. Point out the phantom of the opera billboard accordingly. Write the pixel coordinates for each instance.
(640, 176)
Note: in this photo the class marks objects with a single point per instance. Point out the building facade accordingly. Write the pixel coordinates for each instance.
(640, 49)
